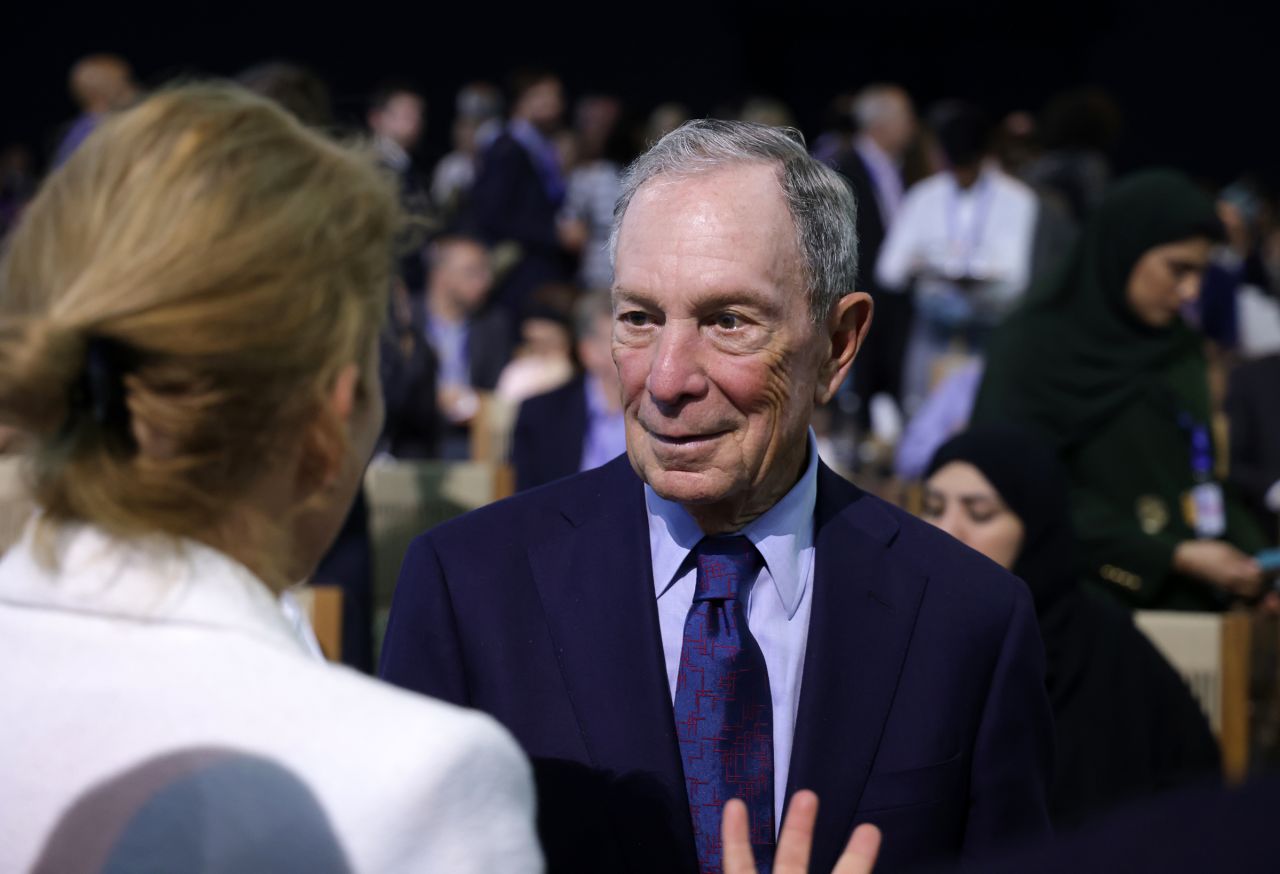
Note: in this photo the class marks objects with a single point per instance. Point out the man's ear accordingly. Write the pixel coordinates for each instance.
(323, 445)
(846, 329)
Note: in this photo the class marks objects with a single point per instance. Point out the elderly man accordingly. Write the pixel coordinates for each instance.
(717, 614)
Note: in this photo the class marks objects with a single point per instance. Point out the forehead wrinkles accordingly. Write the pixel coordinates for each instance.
(676, 214)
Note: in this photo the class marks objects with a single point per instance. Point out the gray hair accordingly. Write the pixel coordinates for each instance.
(820, 201)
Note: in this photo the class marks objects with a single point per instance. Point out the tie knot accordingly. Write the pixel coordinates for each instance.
(725, 564)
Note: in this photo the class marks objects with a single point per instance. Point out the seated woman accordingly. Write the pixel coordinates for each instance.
(1102, 364)
(189, 319)
(1126, 723)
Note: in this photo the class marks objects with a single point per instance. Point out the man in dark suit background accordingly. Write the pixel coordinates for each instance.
(470, 340)
(519, 188)
(886, 125)
(397, 118)
(578, 426)
(717, 614)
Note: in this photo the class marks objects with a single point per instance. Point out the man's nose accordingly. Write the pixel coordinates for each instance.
(676, 372)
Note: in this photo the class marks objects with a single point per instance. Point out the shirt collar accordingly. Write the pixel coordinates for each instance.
(148, 579)
(783, 535)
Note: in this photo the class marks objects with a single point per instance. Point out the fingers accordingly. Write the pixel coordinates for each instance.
(735, 836)
(796, 839)
(859, 855)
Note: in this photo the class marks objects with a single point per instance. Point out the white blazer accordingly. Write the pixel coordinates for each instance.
(122, 652)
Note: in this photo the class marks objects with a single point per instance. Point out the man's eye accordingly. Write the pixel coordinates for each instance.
(636, 319)
(728, 322)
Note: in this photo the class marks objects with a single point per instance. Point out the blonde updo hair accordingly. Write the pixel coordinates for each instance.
(237, 261)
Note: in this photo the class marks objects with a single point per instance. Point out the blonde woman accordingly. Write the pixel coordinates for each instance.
(188, 325)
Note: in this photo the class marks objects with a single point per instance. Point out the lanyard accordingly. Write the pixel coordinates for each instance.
(1201, 448)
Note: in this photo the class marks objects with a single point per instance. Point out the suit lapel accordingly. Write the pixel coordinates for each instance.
(864, 610)
(596, 585)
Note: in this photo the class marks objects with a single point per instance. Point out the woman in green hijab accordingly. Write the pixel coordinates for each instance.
(1100, 360)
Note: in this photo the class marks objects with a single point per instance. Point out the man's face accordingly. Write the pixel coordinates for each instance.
(401, 119)
(718, 357)
(900, 126)
(464, 272)
(543, 104)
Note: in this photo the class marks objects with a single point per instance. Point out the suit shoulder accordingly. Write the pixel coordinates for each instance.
(530, 516)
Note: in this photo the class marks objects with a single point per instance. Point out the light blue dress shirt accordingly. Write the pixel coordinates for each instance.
(778, 604)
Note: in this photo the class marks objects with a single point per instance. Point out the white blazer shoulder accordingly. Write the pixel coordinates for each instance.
(122, 652)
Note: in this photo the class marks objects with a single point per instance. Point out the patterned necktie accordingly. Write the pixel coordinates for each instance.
(724, 712)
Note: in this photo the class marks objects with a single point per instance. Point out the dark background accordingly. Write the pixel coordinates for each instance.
(1197, 85)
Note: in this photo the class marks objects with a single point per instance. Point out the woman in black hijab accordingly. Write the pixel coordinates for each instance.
(1126, 723)
(1101, 363)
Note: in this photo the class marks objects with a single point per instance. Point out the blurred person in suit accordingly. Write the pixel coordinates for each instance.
(471, 340)
(520, 187)
(99, 84)
(197, 385)
(578, 426)
(477, 121)
(885, 123)
(396, 118)
(606, 145)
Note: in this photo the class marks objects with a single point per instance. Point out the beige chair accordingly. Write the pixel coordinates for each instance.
(492, 428)
(1212, 653)
(407, 498)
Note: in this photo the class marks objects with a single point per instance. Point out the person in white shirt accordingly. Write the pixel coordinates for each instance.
(962, 244)
(189, 315)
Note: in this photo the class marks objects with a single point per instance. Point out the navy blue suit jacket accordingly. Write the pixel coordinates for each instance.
(922, 704)
(551, 430)
(509, 204)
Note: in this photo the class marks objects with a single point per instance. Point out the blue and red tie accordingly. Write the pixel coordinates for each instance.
(724, 712)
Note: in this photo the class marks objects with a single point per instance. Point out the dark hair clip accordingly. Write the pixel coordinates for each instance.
(99, 394)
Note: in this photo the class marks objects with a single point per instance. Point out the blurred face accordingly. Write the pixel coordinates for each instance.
(719, 361)
(1165, 279)
(462, 272)
(543, 104)
(401, 119)
(959, 500)
(898, 128)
